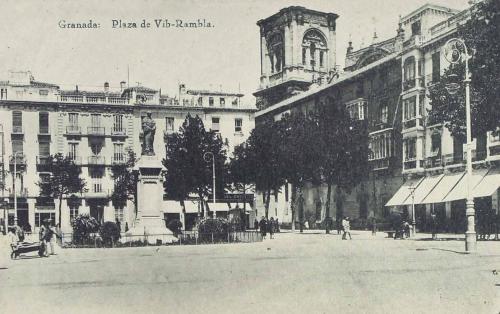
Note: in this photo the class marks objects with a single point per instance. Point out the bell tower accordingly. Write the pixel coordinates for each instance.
(297, 48)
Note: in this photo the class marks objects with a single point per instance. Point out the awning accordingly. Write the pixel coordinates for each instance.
(423, 189)
(174, 207)
(445, 185)
(489, 184)
(218, 207)
(402, 194)
(459, 192)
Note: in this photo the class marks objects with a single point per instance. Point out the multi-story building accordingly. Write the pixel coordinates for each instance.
(96, 129)
(414, 160)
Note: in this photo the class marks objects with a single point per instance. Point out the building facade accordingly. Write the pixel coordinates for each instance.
(415, 162)
(96, 129)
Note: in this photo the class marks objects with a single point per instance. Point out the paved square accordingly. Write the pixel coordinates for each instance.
(294, 273)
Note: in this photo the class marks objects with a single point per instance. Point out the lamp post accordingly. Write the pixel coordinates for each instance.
(413, 221)
(207, 156)
(456, 51)
(14, 185)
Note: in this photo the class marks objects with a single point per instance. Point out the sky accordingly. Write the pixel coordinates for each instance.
(223, 56)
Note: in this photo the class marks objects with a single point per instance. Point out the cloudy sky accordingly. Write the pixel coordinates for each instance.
(225, 55)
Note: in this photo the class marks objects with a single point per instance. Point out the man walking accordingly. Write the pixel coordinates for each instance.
(347, 228)
(263, 227)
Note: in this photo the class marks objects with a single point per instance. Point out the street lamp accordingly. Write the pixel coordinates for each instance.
(413, 221)
(456, 51)
(14, 185)
(207, 156)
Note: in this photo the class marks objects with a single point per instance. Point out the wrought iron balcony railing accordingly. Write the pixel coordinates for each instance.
(96, 160)
(73, 129)
(96, 130)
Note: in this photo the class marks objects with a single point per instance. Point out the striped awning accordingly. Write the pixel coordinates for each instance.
(460, 190)
(403, 192)
(489, 184)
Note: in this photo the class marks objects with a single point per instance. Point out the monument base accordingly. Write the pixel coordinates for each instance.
(150, 225)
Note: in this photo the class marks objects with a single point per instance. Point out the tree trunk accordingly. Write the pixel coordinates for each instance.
(292, 205)
(301, 210)
(60, 210)
(268, 200)
(327, 209)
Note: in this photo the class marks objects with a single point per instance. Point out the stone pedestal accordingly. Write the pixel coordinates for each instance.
(149, 224)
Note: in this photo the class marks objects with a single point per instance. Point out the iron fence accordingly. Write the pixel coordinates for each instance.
(94, 240)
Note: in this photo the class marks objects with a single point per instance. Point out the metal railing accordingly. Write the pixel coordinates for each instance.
(96, 130)
(19, 159)
(73, 129)
(42, 160)
(17, 129)
(118, 132)
(96, 160)
(94, 240)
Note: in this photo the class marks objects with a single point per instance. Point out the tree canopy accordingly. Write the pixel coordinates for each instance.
(126, 178)
(481, 34)
(187, 171)
(63, 180)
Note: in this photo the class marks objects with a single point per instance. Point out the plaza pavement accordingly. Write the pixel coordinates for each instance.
(293, 273)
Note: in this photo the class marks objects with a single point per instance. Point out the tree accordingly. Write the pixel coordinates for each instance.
(261, 159)
(187, 170)
(302, 155)
(481, 34)
(241, 170)
(126, 178)
(344, 144)
(64, 179)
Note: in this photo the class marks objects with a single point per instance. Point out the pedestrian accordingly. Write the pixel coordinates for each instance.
(256, 224)
(126, 226)
(19, 232)
(51, 237)
(434, 226)
(263, 227)
(338, 224)
(347, 228)
(13, 239)
(406, 229)
(119, 225)
(271, 227)
(277, 223)
(374, 226)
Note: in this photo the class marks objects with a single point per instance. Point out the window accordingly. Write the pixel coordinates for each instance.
(421, 68)
(215, 124)
(384, 113)
(169, 124)
(304, 52)
(119, 214)
(40, 217)
(118, 123)
(43, 123)
(380, 145)
(436, 66)
(211, 101)
(95, 120)
(17, 146)
(409, 108)
(409, 69)
(118, 155)
(314, 46)
(73, 119)
(415, 28)
(357, 110)
(73, 151)
(435, 143)
(17, 122)
(43, 92)
(410, 148)
(235, 102)
(96, 180)
(200, 101)
(222, 101)
(312, 51)
(238, 124)
(3, 93)
(275, 51)
(44, 148)
(321, 58)
(73, 213)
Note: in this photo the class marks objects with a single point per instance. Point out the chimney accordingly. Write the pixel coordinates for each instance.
(122, 85)
(106, 86)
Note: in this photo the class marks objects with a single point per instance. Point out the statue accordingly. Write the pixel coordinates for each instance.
(148, 135)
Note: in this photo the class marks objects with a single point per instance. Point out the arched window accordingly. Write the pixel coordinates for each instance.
(314, 49)
(275, 49)
(409, 69)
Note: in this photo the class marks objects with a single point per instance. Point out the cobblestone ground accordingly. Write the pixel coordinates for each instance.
(293, 273)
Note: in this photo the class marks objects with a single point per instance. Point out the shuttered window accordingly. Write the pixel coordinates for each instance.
(44, 149)
(17, 146)
(43, 122)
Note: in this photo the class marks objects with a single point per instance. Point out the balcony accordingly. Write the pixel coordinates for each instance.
(408, 84)
(18, 129)
(21, 192)
(118, 160)
(96, 161)
(73, 130)
(495, 150)
(411, 164)
(42, 163)
(96, 131)
(432, 79)
(118, 132)
(18, 159)
(380, 164)
(413, 123)
(476, 155)
(434, 162)
(452, 159)
(77, 160)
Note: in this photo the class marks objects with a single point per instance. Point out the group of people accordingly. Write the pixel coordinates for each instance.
(266, 226)
(346, 228)
(47, 236)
